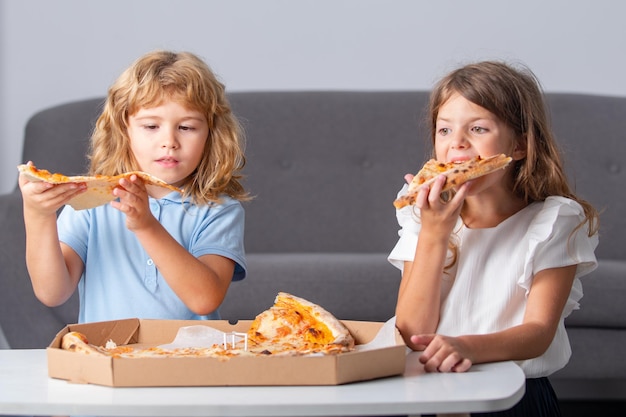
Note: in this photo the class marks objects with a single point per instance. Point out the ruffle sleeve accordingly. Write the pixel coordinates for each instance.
(409, 229)
(555, 241)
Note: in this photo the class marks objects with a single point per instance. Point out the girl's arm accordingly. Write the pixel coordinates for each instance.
(54, 269)
(201, 283)
(417, 309)
(547, 297)
(418, 305)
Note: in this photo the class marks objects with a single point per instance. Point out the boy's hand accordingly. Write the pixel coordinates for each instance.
(133, 201)
(46, 199)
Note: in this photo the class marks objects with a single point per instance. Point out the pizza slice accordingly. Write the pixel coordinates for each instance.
(99, 187)
(77, 342)
(456, 174)
(296, 324)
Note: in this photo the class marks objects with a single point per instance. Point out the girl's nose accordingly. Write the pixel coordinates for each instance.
(459, 141)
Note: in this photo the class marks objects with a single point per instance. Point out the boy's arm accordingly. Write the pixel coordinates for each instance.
(201, 283)
(54, 268)
(54, 271)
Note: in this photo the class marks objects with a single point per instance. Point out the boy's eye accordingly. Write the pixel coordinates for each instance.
(479, 129)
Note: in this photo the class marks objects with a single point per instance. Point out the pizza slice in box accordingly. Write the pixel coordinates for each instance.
(99, 187)
(294, 323)
(456, 174)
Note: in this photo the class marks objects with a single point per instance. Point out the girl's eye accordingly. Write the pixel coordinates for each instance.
(150, 127)
(186, 128)
(443, 131)
(478, 129)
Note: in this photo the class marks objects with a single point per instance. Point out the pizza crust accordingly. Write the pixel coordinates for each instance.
(456, 175)
(99, 187)
(77, 342)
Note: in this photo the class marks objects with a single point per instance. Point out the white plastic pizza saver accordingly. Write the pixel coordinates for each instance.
(234, 338)
(205, 336)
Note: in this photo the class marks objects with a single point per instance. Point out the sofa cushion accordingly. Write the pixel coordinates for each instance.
(590, 130)
(57, 138)
(325, 167)
(350, 286)
(595, 369)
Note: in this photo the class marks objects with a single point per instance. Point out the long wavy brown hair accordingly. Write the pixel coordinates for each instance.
(514, 95)
(184, 77)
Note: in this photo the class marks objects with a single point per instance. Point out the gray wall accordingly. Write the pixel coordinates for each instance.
(54, 51)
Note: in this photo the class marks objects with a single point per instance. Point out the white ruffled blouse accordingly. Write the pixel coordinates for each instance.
(487, 289)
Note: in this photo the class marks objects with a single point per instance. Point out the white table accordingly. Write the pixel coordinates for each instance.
(26, 389)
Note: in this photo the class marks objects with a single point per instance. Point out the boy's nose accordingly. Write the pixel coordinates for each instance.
(169, 140)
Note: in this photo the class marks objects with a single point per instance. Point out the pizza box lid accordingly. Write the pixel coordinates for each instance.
(343, 368)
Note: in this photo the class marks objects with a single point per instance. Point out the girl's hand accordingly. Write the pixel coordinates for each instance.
(133, 201)
(46, 199)
(436, 215)
(443, 353)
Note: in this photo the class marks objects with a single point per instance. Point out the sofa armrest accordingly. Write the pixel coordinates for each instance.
(25, 322)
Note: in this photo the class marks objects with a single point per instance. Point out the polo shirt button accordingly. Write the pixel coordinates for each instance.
(150, 262)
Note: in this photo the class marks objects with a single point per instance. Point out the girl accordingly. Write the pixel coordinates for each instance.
(490, 273)
(151, 253)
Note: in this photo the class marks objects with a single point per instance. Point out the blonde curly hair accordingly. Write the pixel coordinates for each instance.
(187, 79)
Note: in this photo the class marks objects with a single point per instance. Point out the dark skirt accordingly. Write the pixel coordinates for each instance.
(539, 400)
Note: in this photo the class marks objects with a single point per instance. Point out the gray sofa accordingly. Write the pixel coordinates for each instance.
(325, 168)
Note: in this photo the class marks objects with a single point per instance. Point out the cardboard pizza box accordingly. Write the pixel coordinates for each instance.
(337, 369)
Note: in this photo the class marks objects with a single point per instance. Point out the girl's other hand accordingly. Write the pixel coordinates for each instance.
(442, 353)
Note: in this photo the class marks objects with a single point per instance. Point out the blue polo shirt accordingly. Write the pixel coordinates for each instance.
(121, 281)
